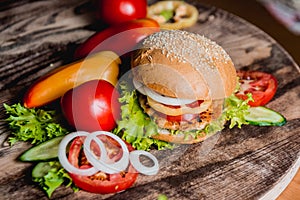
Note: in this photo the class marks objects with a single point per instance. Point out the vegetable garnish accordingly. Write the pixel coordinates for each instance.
(62, 155)
(262, 116)
(100, 182)
(34, 125)
(103, 163)
(173, 14)
(51, 175)
(135, 126)
(235, 110)
(42, 152)
(261, 85)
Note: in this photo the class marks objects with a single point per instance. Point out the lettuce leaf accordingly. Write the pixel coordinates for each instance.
(52, 175)
(135, 126)
(34, 125)
(236, 109)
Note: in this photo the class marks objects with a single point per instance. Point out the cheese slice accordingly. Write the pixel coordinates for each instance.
(178, 111)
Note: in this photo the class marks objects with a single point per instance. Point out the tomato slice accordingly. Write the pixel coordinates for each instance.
(261, 85)
(184, 117)
(101, 182)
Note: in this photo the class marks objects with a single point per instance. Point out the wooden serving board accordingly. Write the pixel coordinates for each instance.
(246, 163)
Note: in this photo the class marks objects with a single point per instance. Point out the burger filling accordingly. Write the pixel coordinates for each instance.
(137, 125)
(177, 115)
(182, 118)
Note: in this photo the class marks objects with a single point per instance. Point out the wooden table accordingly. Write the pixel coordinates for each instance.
(248, 163)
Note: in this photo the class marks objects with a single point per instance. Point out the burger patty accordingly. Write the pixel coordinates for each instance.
(196, 124)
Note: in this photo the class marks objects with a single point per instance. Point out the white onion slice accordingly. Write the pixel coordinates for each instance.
(167, 100)
(101, 164)
(135, 161)
(160, 98)
(88, 152)
(62, 155)
(139, 86)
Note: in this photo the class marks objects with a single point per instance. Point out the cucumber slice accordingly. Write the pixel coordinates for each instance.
(40, 170)
(44, 151)
(262, 116)
(43, 168)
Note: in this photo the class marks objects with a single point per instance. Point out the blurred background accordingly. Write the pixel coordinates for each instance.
(278, 18)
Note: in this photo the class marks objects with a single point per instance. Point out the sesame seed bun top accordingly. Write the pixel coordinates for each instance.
(186, 65)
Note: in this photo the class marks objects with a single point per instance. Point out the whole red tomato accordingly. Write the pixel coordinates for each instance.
(101, 182)
(116, 11)
(92, 106)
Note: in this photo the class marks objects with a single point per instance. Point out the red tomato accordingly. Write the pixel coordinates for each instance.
(101, 182)
(121, 38)
(184, 117)
(117, 11)
(261, 85)
(92, 106)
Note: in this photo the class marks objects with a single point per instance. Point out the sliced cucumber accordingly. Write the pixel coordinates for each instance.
(44, 151)
(41, 169)
(262, 116)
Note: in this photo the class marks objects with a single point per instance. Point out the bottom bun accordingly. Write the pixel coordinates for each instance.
(180, 138)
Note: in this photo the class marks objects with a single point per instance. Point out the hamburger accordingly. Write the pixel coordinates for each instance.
(182, 79)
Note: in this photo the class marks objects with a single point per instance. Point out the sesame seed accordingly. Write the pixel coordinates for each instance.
(185, 46)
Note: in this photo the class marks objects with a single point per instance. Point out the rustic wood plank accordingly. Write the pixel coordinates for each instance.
(38, 36)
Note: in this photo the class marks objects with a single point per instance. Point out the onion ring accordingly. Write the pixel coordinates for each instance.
(135, 161)
(101, 163)
(158, 97)
(139, 86)
(62, 155)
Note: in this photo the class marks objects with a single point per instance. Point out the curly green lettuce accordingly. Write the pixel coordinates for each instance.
(51, 175)
(34, 125)
(236, 109)
(135, 126)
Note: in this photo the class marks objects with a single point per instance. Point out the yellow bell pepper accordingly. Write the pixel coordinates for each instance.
(103, 65)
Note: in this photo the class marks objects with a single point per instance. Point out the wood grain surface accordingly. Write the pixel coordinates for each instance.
(38, 36)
